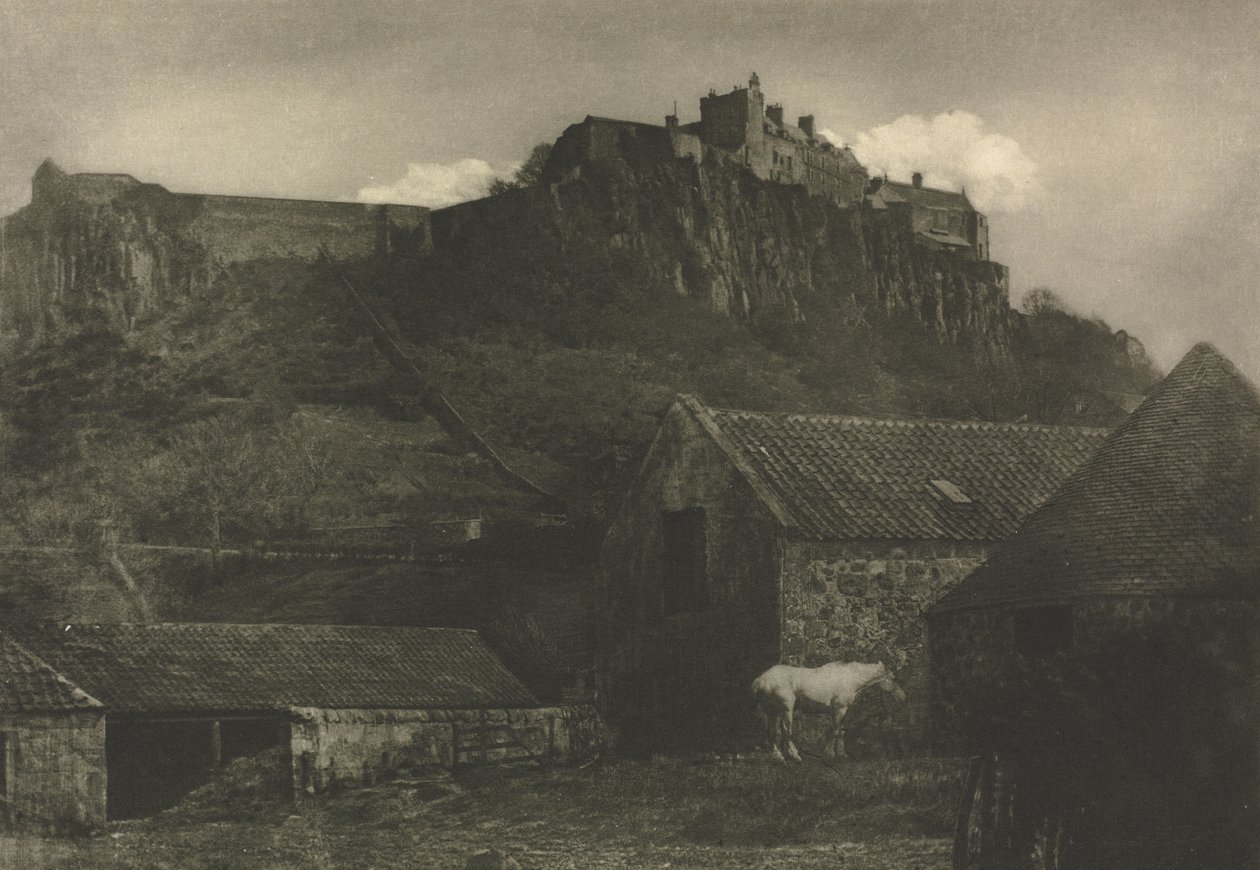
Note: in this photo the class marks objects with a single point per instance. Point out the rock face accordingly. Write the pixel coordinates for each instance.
(745, 247)
(110, 247)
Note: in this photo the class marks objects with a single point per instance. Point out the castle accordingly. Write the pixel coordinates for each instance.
(108, 238)
(125, 248)
(741, 122)
(739, 127)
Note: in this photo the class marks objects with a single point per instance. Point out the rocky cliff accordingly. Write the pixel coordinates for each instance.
(743, 246)
(108, 247)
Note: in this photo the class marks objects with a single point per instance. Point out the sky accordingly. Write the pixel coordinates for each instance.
(1114, 145)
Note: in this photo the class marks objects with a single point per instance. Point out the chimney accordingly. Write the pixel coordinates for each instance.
(775, 113)
(917, 179)
(806, 123)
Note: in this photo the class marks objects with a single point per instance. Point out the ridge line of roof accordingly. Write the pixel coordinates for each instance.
(302, 625)
(912, 421)
(700, 413)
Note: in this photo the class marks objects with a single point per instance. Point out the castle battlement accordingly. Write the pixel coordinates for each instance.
(740, 122)
(739, 126)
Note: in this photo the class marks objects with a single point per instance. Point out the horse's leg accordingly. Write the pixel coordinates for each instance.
(770, 724)
(791, 747)
(835, 747)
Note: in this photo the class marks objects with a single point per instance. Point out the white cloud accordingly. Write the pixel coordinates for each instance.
(952, 150)
(438, 184)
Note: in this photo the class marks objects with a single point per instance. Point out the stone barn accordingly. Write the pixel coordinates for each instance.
(335, 705)
(750, 539)
(1101, 665)
(52, 747)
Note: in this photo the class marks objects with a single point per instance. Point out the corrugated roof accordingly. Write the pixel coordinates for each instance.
(28, 685)
(837, 478)
(1170, 504)
(181, 667)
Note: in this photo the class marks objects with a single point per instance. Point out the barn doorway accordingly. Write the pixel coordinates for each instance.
(153, 764)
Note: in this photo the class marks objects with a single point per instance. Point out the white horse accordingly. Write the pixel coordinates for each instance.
(831, 688)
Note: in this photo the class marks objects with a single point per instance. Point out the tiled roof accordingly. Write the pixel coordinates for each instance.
(28, 685)
(1169, 505)
(835, 478)
(163, 668)
(926, 197)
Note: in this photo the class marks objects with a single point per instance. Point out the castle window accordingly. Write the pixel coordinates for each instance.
(1041, 632)
(684, 560)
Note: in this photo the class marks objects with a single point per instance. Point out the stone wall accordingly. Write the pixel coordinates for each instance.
(55, 772)
(685, 675)
(1139, 731)
(331, 747)
(111, 247)
(968, 648)
(864, 601)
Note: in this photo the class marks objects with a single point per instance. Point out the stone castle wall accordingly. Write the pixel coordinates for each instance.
(119, 249)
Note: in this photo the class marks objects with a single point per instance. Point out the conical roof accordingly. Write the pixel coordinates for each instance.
(1169, 505)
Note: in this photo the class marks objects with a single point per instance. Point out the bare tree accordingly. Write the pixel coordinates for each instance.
(530, 173)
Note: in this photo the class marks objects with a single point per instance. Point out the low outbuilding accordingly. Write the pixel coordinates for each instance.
(1102, 664)
(339, 704)
(52, 747)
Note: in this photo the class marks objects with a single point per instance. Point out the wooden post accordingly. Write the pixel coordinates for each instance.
(966, 802)
(989, 858)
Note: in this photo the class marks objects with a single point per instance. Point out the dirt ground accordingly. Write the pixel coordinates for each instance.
(707, 811)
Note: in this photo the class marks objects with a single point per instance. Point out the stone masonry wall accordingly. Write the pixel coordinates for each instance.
(55, 778)
(856, 601)
(708, 655)
(332, 747)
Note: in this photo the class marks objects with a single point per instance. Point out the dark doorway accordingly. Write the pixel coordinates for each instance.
(153, 764)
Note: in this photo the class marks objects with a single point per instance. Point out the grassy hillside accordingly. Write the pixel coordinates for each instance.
(266, 413)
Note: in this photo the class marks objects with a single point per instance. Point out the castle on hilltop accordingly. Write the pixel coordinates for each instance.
(742, 123)
(739, 127)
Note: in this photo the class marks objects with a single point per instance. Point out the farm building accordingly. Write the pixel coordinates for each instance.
(341, 704)
(52, 746)
(1102, 662)
(755, 538)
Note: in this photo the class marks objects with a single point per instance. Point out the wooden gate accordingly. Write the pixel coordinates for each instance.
(486, 742)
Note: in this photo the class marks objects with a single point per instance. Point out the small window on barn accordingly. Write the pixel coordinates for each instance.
(684, 558)
(1041, 632)
(952, 491)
